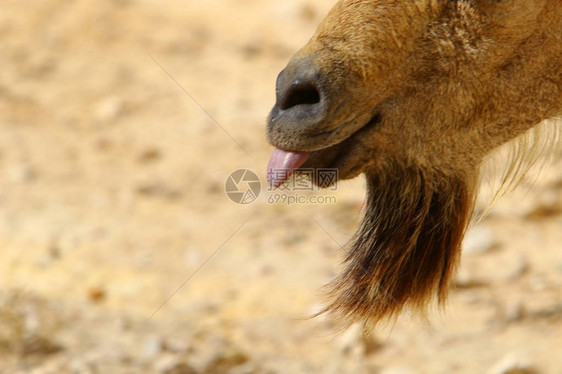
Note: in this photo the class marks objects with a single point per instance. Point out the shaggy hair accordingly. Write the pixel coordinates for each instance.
(407, 247)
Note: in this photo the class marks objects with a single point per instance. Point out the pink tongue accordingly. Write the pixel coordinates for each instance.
(281, 165)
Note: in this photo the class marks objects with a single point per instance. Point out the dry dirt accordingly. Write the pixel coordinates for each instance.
(112, 197)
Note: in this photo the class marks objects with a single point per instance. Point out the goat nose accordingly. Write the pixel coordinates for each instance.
(299, 94)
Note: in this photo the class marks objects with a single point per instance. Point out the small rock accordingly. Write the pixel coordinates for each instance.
(543, 211)
(103, 144)
(513, 365)
(153, 346)
(474, 298)
(123, 324)
(214, 187)
(181, 368)
(32, 322)
(348, 341)
(356, 342)
(179, 346)
(252, 49)
(227, 361)
(538, 283)
(308, 12)
(548, 206)
(54, 251)
(520, 268)
(515, 312)
(479, 240)
(157, 189)
(552, 311)
(150, 155)
(96, 294)
(20, 173)
(464, 279)
(52, 254)
(218, 355)
(38, 345)
(192, 257)
(371, 345)
(109, 109)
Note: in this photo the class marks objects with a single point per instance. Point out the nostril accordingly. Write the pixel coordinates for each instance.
(300, 93)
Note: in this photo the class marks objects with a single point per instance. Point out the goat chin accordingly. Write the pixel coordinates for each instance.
(407, 247)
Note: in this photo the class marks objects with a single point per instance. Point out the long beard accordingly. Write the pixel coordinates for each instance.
(407, 247)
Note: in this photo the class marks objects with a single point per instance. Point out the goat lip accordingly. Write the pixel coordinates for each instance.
(329, 157)
(314, 133)
(284, 162)
(373, 121)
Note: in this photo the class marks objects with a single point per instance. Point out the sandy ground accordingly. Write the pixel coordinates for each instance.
(112, 202)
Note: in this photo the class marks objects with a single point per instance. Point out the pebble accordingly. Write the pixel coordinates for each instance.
(308, 12)
(547, 206)
(538, 283)
(122, 324)
(355, 342)
(465, 279)
(551, 311)
(252, 49)
(515, 312)
(21, 173)
(109, 109)
(226, 361)
(217, 354)
(96, 294)
(158, 189)
(513, 365)
(179, 346)
(193, 257)
(479, 240)
(52, 253)
(520, 268)
(149, 155)
(38, 345)
(153, 346)
(348, 341)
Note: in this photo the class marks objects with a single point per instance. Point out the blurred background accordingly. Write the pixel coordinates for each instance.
(121, 253)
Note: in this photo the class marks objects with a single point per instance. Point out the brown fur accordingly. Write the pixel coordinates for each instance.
(416, 94)
(403, 254)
